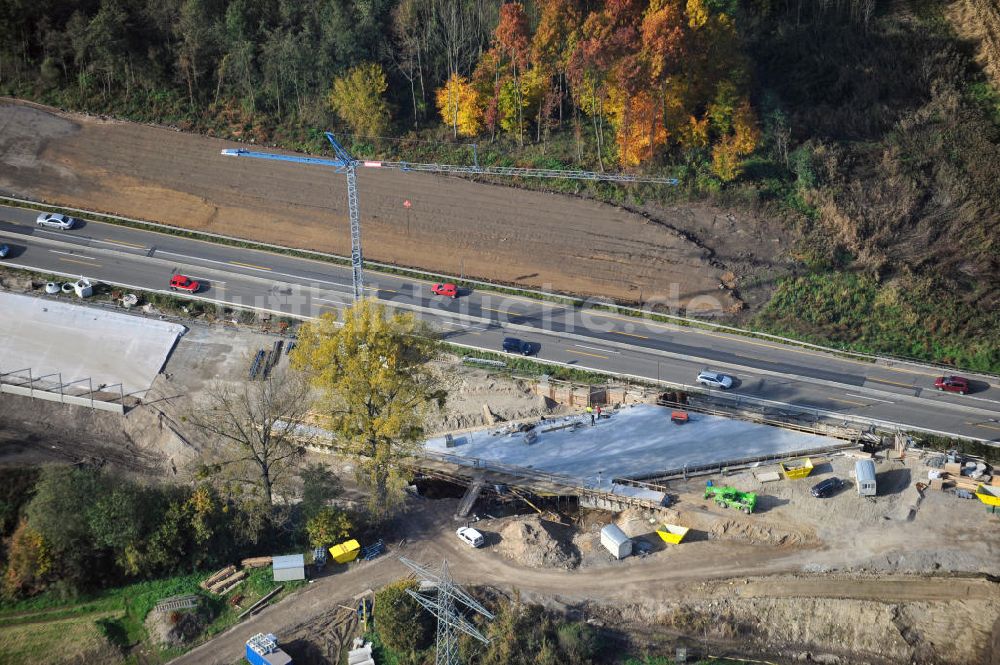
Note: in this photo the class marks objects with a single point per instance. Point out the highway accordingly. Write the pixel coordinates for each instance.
(784, 374)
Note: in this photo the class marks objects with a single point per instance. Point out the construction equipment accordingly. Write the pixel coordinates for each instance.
(730, 497)
(347, 164)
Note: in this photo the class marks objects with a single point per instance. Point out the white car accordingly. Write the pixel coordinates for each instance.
(55, 220)
(470, 536)
(715, 380)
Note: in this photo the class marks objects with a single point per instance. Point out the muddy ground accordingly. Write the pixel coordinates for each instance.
(455, 226)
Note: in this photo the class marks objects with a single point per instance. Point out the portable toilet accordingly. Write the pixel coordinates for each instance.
(615, 541)
(864, 475)
(289, 568)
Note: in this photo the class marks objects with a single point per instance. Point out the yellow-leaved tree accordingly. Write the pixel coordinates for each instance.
(357, 99)
(377, 390)
(458, 104)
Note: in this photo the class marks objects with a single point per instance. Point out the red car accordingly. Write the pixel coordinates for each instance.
(446, 289)
(952, 384)
(183, 283)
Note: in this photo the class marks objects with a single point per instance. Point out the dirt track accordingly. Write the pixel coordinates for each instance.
(454, 225)
(644, 592)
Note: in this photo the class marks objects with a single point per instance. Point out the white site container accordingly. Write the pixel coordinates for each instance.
(615, 541)
(864, 477)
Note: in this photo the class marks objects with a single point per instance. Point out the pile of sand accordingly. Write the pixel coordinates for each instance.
(754, 532)
(538, 543)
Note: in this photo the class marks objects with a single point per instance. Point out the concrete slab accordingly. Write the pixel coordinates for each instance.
(54, 336)
(633, 441)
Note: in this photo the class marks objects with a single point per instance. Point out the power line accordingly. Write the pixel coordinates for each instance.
(440, 596)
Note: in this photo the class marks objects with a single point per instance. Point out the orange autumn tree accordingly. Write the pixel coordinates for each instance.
(648, 76)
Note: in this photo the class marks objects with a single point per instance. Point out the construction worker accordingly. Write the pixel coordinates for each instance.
(590, 412)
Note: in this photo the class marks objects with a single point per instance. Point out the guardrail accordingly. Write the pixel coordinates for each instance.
(42, 387)
(639, 312)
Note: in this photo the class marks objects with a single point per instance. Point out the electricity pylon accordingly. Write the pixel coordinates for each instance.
(346, 163)
(444, 599)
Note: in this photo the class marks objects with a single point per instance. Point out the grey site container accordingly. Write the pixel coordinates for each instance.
(289, 568)
(615, 541)
(864, 477)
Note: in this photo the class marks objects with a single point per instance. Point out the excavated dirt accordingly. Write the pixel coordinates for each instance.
(455, 225)
(537, 543)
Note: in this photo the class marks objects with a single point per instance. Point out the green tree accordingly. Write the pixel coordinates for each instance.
(373, 371)
(357, 99)
(403, 625)
(328, 526)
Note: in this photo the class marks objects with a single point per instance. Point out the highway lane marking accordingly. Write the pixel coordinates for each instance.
(891, 383)
(983, 425)
(273, 272)
(123, 242)
(502, 311)
(619, 332)
(873, 399)
(594, 348)
(846, 401)
(82, 263)
(79, 256)
(250, 265)
(584, 353)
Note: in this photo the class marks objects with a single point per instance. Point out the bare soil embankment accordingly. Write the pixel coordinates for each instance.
(454, 225)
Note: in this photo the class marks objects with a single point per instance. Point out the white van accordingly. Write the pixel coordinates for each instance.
(470, 536)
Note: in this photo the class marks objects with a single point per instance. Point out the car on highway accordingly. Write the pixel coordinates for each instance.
(470, 536)
(184, 283)
(827, 487)
(952, 384)
(446, 289)
(515, 345)
(55, 220)
(711, 379)
(4, 251)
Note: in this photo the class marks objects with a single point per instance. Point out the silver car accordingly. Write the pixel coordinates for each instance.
(55, 220)
(715, 380)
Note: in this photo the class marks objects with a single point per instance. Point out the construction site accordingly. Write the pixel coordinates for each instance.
(522, 461)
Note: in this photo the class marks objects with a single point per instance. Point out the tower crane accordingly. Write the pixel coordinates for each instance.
(348, 164)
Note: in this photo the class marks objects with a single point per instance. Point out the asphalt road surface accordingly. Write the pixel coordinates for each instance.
(901, 393)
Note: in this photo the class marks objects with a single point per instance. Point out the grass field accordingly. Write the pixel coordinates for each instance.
(49, 629)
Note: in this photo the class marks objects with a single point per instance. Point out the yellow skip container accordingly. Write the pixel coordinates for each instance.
(799, 468)
(346, 551)
(673, 534)
(988, 495)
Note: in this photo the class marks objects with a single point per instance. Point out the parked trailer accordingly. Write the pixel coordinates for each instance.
(864, 476)
(264, 650)
(615, 541)
(672, 534)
